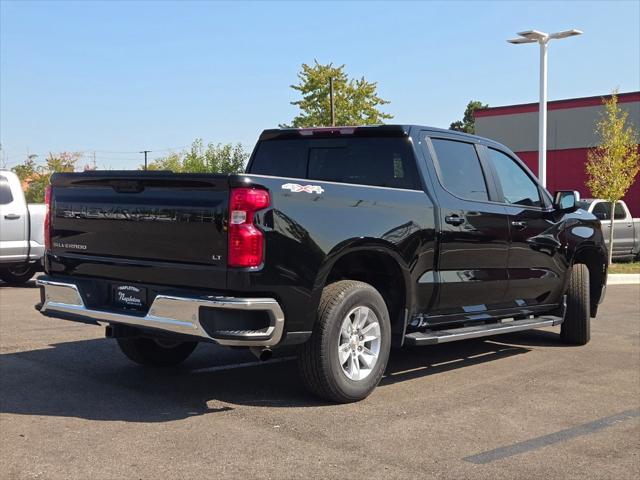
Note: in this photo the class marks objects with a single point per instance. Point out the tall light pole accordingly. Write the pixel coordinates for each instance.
(533, 36)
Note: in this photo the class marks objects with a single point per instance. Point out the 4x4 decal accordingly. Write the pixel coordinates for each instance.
(295, 188)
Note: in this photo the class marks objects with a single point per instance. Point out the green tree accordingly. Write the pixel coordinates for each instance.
(27, 170)
(613, 165)
(356, 101)
(63, 162)
(212, 158)
(468, 122)
(35, 178)
(172, 162)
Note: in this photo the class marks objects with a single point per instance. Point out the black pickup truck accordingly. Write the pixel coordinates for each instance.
(345, 241)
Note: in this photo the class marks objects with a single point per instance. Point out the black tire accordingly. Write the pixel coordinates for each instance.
(318, 358)
(576, 329)
(19, 274)
(155, 353)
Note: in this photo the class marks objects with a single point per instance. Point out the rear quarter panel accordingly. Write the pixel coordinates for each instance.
(36, 217)
(306, 233)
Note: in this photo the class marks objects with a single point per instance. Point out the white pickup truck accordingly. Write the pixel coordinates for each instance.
(21, 232)
(626, 230)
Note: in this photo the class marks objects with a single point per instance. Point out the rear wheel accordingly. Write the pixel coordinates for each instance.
(155, 352)
(347, 354)
(576, 329)
(18, 274)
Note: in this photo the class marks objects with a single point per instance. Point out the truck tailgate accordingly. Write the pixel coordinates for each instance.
(142, 217)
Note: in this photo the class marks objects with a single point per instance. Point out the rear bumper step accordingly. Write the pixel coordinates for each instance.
(168, 313)
(433, 337)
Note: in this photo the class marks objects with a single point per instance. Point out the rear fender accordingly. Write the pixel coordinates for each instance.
(373, 246)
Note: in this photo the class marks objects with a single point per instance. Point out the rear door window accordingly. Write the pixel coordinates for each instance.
(5, 191)
(618, 213)
(459, 169)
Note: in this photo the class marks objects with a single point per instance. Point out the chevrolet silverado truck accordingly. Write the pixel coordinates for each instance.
(626, 229)
(21, 232)
(344, 241)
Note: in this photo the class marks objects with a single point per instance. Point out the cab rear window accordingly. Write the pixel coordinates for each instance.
(382, 162)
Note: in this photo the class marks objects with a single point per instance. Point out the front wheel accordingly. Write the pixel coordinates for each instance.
(18, 274)
(155, 352)
(576, 328)
(347, 353)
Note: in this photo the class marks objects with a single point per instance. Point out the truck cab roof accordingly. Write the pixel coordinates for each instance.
(386, 130)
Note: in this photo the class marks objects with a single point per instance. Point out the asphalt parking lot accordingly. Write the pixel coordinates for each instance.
(517, 406)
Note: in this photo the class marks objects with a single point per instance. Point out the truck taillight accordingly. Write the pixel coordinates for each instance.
(47, 218)
(246, 242)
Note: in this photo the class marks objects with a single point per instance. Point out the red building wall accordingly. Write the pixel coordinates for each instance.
(570, 134)
(566, 171)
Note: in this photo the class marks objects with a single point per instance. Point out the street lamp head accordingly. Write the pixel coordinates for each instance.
(517, 41)
(534, 35)
(567, 33)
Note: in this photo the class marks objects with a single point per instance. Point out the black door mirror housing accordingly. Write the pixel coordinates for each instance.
(566, 200)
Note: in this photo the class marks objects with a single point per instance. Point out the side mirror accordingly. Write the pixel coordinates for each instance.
(566, 200)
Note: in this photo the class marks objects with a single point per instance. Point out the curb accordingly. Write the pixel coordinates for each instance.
(623, 279)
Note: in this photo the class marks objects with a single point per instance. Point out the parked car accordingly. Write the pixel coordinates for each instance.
(21, 232)
(344, 241)
(626, 229)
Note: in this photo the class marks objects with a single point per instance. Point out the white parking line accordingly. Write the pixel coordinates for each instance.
(242, 365)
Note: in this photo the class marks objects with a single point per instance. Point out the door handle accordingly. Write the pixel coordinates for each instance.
(519, 225)
(454, 220)
(12, 216)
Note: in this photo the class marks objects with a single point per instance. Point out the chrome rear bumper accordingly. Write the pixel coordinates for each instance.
(173, 314)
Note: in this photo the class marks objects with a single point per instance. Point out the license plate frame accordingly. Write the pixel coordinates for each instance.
(129, 297)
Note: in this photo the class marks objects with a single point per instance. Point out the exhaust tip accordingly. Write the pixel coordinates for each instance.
(262, 354)
(266, 354)
(108, 332)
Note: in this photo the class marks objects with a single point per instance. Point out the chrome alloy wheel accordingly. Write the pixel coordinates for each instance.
(359, 344)
(19, 270)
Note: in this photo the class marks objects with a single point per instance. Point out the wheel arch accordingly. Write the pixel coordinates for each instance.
(377, 264)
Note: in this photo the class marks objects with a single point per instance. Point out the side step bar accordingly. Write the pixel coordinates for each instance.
(433, 337)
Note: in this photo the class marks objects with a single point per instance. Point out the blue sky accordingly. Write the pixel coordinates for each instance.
(125, 76)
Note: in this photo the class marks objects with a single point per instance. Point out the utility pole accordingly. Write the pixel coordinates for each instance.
(145, 157)
(333, 110)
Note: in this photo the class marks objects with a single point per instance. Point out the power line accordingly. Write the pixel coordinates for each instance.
(90, 151)
(156, 150)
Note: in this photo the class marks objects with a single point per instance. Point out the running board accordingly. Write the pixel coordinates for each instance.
(433, 337)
